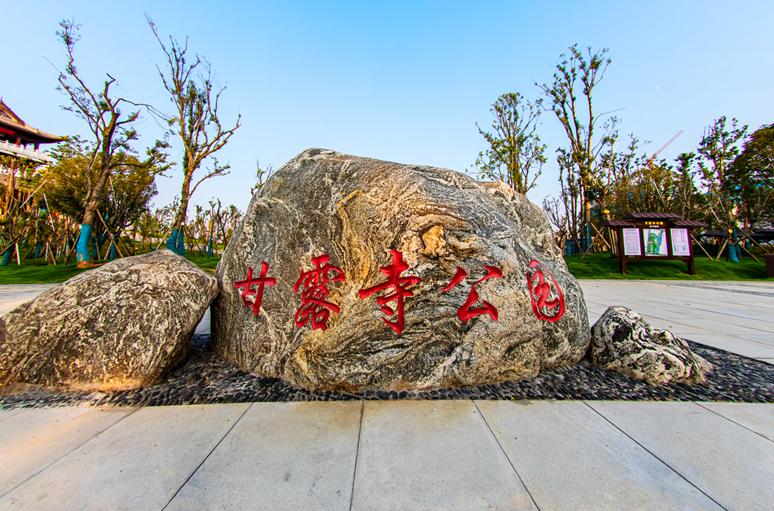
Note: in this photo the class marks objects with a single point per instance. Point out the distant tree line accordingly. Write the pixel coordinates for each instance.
(727, 182)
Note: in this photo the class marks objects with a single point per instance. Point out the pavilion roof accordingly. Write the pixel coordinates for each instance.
(653, 216)
(619, 223)
(10, 121)
(674, 220)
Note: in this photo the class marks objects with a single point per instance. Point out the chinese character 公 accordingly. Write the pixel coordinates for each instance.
(467, 311)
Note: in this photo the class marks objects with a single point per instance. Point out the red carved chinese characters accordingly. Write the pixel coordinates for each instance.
(399, 286)
(252, 288)
(314, 305)
(467, 311)
(541, 291)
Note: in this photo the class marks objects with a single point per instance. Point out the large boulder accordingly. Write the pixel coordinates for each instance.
(117, 327)
(622, 341)
(363, 216)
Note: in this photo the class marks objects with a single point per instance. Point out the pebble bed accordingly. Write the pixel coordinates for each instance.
(205, 378)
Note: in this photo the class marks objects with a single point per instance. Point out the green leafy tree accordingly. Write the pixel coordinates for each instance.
(718, 149)
(751, 176)
(515, 154)
(18, 211)
(129, 188)
(685, 194)
(195, 121)
(621, 178)
(589, 133)
(109, 126)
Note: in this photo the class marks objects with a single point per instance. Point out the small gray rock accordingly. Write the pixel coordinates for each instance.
(357, 211)
(117, 327)
(622, 341)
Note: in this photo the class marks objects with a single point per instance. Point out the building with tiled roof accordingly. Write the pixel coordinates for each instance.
(21, 141)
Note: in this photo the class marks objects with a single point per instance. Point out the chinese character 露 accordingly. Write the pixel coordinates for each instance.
(314, 282)
(541, 291)
(399, 286)
(467, 311)
(252, 288)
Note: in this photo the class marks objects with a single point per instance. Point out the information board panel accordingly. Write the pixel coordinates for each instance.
(631, 242)
(655, 242)
(681, 242)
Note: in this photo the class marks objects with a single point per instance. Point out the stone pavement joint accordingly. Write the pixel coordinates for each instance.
(735, 422)
(728, 462)
(67, 453)
(506, 455)
(407, 455)
(207, 456)
(357, 453)
(670, 467)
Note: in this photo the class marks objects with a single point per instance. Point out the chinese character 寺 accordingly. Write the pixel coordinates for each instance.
(399, 286)
(314, 305)
(467, 311)
(252, 289)
(540, 291)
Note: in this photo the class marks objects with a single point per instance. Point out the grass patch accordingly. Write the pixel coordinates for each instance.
(204, 262)
(593, 266)
(602, 266)
(36, 271)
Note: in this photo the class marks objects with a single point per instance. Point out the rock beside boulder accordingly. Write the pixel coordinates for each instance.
(622, 341)
(360, 219)
(117, 327)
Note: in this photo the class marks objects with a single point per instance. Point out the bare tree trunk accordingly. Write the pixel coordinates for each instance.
(92, 204)
(176, 240)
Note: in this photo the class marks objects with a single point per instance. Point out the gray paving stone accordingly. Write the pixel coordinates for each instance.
(13, 295)
(32, 439)
(432, 455)
(753, 416)
(571, 458)
(139, 463)
(730, 316)
(7, 413)
(732, 465)
(281, 456)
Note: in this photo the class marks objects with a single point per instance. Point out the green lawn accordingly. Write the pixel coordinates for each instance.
(602, 266)
(204, 262)
(35, 271)
(593, 266)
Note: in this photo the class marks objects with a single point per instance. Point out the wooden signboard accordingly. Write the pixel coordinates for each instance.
(653, 236)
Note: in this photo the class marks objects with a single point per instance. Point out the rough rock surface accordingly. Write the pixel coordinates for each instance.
(621, 340)
(356, 210)
(120, 326)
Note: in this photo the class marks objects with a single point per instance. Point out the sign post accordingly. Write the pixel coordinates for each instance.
(654, 236)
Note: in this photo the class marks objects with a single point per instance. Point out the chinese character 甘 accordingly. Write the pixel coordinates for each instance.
(252, 288)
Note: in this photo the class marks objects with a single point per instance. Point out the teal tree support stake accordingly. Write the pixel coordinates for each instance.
(82, 246)
(113, 253)
(180, 247)
(172, 241)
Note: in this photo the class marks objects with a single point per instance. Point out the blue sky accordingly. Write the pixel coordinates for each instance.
(402, 81)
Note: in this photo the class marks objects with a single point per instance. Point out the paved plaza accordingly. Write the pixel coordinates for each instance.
(462, 455)
(733, 316)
